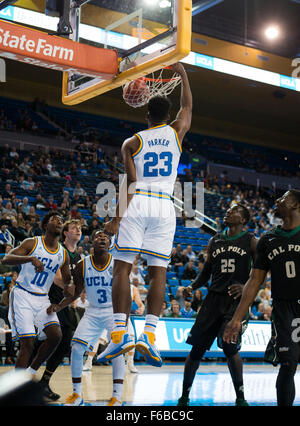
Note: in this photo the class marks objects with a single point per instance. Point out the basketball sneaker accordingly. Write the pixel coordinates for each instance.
(74, 400)
(145, 346)
(114, 401)
(183, 401)
(49, 394)
(121, 342)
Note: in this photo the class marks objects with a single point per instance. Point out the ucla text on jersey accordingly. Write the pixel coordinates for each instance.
(98, 282)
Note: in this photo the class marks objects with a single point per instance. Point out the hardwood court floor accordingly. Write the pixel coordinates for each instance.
(162, 386)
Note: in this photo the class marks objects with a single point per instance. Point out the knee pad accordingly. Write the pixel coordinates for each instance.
(197, 353)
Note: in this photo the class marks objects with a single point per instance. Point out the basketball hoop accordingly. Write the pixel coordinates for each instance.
(138, 92)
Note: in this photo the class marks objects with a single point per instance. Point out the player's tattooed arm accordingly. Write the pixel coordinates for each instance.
(21, 254)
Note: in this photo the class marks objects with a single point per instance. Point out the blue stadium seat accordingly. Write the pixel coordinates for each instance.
(173, 282)
(171, 275)
(185, 283)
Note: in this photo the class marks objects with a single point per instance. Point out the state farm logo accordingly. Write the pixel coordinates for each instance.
(39, 46)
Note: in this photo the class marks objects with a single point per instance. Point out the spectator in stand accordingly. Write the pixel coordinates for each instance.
(190, 253)
(189, 272)
(197, 300)
(164, 309)
(6, 270)
(54, 172)
(9, 211)
(257, 313)
(40, 202)
(68, 188)
(141, 287)
(28, 232)
(179, 296)
(7, 193)
(263, 297)
(175, 311)
(25, 206)
(78, 190)
(85, 244)
(187, 311)
(51, 204)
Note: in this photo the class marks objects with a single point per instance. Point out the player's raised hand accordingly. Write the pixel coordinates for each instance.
(111, 227)
(178, 67)
(231, 331)
(187, 293)
(38, 265)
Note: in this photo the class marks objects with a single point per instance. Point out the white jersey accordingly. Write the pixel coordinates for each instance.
(40, 282)
(98, 282)
(156, 160)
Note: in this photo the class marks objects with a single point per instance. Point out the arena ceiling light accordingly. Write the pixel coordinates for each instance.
(272, 32)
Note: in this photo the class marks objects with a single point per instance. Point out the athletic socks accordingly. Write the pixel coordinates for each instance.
(239, 390)
(46, 376)
(119, 322)
(77, 388)
(150, 323)
(117, 391)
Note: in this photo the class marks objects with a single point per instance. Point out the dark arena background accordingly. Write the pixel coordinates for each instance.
(243, 147)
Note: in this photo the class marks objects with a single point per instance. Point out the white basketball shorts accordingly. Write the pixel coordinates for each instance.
(148, 228)
(91, 326)
(27, 312)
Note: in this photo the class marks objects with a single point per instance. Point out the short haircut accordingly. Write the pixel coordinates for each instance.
(159, 107)
(47, 217)
(66, 226)
(100, 229)
(296, 194)
(246, 212)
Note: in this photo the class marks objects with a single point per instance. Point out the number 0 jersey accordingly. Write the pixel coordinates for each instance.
(278, 251)
(40, 282)
(98, 282)
(157, 159)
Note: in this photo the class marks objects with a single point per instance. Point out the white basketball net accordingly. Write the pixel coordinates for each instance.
(157, 85)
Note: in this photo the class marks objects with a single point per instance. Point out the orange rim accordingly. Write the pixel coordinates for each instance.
(163, 80)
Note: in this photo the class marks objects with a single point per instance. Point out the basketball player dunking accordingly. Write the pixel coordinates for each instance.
(145, 218)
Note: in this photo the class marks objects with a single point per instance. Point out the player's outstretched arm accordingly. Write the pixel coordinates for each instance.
(21, 255)
(66, 276)
(182, 122)
(250, 291)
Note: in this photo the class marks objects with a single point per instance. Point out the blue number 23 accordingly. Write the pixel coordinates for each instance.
(151, 161)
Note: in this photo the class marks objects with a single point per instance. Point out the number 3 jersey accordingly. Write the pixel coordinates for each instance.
(98, 282)
(278, 251)
(230, 259)
(40, 282)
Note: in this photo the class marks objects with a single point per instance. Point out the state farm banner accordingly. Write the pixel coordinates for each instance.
(38, 48)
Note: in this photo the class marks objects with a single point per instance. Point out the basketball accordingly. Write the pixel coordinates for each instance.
(136, 93)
